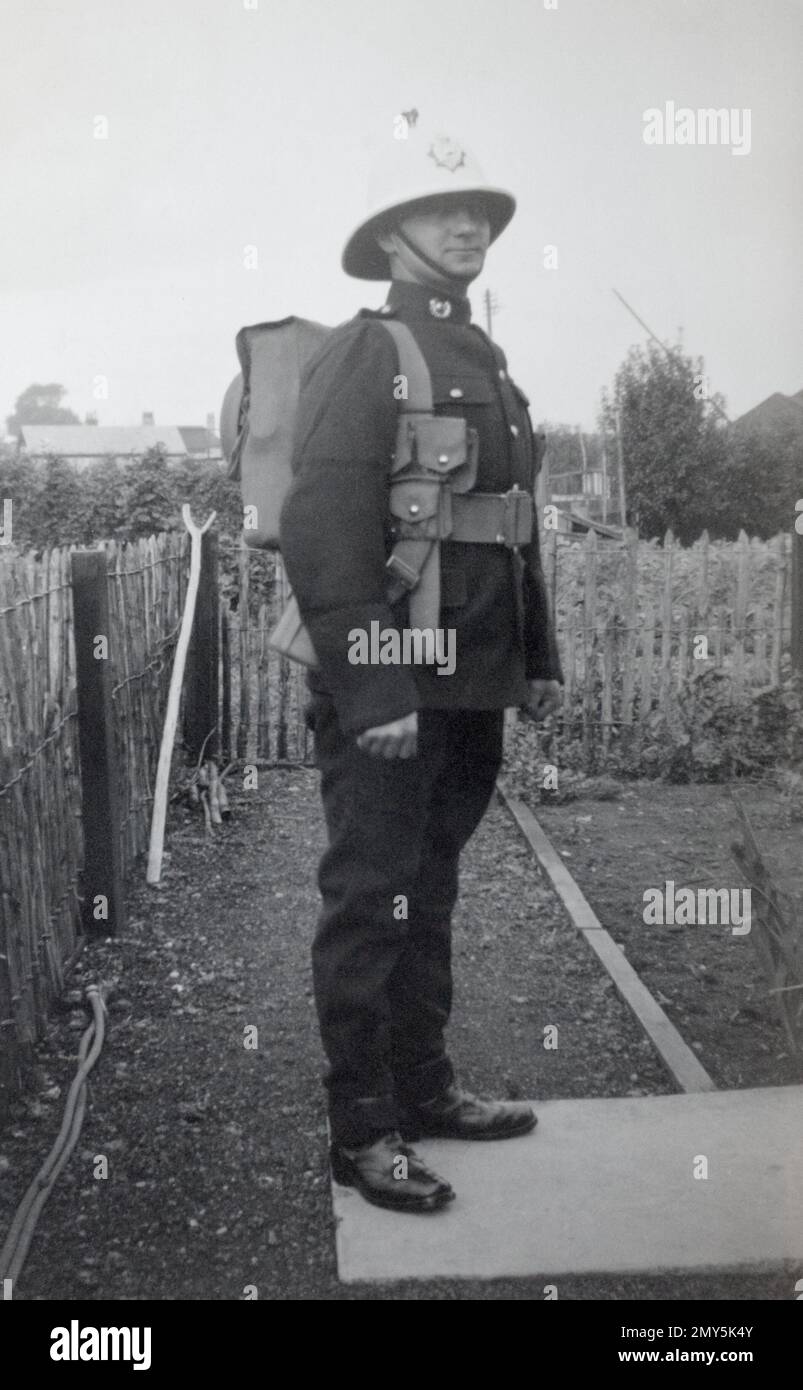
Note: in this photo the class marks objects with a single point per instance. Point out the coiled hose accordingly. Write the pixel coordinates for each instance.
(20, 1235)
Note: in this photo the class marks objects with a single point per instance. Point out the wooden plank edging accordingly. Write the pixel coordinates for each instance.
(681, 1061)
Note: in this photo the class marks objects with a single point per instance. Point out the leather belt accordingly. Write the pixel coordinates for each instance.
(479, 518)
(492, 518)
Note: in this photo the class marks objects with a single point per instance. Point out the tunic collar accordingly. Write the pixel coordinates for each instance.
(421, 301)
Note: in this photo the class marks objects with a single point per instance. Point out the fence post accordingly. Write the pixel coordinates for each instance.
(283, 585)
(201, 711)
(225, 665)
(100, 811)
(797, 601)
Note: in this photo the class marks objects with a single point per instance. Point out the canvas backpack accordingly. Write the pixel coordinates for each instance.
(434, 467)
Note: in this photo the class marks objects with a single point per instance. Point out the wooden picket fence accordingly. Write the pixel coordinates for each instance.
(47, 796)
(263, 696)
(40, 831)
(147, 582)
(79, 736)
(634, 621)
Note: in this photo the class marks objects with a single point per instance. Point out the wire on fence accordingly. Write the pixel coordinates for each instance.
(42, 818)
(158, 660)
(37, 751)
(31, 598)
(151, 565)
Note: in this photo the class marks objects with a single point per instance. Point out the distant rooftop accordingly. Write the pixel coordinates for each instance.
(199, 439)
(777, 409)
(97, 441)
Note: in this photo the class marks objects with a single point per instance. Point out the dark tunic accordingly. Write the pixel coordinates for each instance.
(335, 532)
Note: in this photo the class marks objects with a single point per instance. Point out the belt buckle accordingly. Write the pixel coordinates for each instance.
(402, 572)
(517, 519)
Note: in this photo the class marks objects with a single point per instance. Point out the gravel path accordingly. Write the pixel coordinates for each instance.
(217, 1173)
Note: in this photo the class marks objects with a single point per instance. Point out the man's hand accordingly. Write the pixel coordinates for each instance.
(399, 739)
(544, 698)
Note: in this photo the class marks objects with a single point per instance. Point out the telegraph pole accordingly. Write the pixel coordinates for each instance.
(491, 307)
(621, 462)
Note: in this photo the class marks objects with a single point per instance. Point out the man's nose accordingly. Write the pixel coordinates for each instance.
(465, 220)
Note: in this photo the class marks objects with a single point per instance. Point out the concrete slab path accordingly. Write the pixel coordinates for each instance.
(601, 1186)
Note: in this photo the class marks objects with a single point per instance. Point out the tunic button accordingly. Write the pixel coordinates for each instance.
(440, 308)
(514, 430)
(456, 393)
(414, 509)
(502, 375)
(386, 309)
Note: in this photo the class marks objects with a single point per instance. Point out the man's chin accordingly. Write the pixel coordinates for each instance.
(464, 272)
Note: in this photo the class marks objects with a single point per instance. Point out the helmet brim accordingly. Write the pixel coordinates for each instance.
(364, 258)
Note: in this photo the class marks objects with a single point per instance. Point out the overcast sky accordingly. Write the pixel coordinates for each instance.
(231, 126)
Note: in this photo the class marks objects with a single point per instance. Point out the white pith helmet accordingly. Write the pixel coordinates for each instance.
(421, 167)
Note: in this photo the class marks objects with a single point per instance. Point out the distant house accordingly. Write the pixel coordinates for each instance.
(84, 444)
(89, 442)
(201, 442)
(776, 412)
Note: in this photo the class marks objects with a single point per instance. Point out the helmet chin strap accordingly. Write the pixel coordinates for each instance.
(455, 284)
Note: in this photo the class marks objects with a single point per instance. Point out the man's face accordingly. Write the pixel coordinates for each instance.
(455, 235)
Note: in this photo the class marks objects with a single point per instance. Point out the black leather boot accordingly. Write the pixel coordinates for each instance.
(388, 1173)
(457, 1114)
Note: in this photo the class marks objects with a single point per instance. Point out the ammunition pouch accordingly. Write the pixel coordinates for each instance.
(442, 445)
(434, 469)
(434, 458)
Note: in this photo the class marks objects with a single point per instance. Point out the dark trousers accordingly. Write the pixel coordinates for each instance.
(389, 882)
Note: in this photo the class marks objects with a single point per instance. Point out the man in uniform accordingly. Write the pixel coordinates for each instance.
(408, 758)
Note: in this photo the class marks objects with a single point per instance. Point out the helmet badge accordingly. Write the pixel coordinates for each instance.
(446, 153)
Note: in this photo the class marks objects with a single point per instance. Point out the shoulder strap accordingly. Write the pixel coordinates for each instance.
(414, 565)
(413, 366)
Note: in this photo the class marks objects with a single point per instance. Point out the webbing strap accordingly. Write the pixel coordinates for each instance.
(425, 597)
(490, 518)
(412, 366)
(415, 565)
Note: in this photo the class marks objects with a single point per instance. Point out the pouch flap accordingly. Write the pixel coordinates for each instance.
(414, 499)
(441, 443)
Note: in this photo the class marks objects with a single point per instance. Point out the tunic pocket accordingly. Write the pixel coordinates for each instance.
(455, 392)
